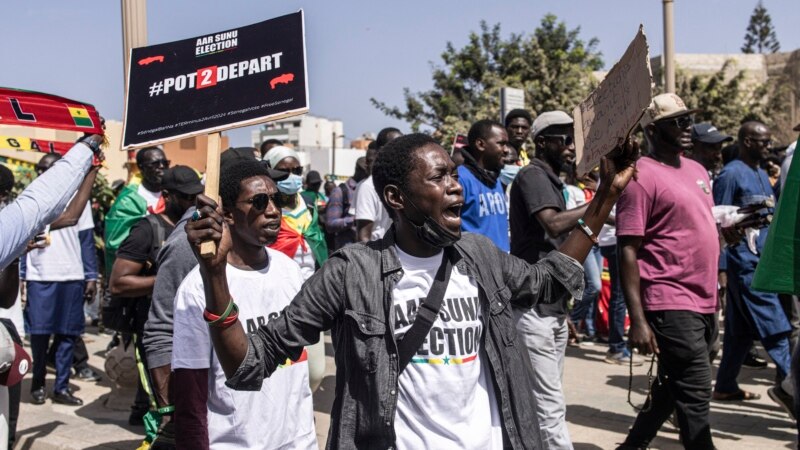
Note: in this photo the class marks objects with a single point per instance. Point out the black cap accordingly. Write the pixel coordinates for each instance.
(313, 177)
(708, 134)
(236, 154)
(182, 179)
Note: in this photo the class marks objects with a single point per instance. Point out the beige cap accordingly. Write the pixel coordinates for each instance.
(664, 106)
(548, 119)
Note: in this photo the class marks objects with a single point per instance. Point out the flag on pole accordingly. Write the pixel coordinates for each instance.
(778, 269)
(36, 109)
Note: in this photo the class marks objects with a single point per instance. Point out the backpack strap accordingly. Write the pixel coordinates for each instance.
(159, 234)
(427, 313)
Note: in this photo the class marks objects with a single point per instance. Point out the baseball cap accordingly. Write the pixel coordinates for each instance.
(664, 106)
(313, 177)
(707, 133)
(13, 358)
(182, 179)
(548, 119)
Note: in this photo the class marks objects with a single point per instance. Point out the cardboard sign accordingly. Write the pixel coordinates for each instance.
(611, 111)
(216, 82)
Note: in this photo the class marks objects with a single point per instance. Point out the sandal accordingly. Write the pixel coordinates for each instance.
(736, 396)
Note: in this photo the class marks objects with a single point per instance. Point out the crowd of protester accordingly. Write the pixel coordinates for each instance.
(452, 282)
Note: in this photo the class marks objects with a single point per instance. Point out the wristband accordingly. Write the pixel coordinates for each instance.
(230, 320)
(169, 409)
(213, 319)
(587, 231)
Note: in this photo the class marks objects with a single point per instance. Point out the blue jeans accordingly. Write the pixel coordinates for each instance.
(616, 304)
(592, 271)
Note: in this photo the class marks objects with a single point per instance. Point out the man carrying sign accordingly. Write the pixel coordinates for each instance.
(669, 249)
(457, 378)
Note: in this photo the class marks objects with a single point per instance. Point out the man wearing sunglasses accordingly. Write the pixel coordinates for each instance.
(669, 252)
(209, 414)
(750, 314)
(540, 223)
(135, 201)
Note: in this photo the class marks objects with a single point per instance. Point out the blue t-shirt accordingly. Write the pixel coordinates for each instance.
(484, 210)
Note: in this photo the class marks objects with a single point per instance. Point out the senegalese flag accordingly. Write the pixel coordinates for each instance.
(80, 116)
(778, 269)
(37, 109)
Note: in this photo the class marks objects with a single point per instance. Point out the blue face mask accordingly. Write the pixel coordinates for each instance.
(508, 173)
(291, 185)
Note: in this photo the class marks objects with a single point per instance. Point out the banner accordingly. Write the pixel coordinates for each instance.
(778, 269)
(34, 145)
(612, 110)
(35, 109)
(216, 82)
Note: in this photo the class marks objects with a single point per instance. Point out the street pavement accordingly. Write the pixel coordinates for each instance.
(597, 411)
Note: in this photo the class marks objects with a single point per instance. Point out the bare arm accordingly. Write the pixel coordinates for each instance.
(640, 335)
(76, 206)
(161, 378)
(557, 223)
(125, 280)
(364, 228)
(615, 175)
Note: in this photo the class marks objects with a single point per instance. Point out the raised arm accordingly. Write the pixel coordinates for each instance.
(247, 361)
(43, 201)
(76, 206)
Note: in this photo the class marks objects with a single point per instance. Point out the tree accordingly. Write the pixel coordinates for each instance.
(760, 36)
(553, 66)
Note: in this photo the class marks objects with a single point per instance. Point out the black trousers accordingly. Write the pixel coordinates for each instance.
(683, 384)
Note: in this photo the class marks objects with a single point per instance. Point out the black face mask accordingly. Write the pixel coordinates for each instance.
(431, 232)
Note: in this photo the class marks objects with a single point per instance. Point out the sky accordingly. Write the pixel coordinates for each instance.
(355, 49)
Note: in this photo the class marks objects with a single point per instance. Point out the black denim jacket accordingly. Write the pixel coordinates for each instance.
(352, 296)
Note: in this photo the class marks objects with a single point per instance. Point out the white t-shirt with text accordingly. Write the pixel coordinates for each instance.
(280, 415)
(446, 397)
(62, 260)
(369, 207)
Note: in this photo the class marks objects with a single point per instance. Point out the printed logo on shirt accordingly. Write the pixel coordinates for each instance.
(704, 187)
(253, 325)
(454, 338)
(491, 203)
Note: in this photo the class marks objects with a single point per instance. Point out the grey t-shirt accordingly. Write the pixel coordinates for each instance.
(175, 261)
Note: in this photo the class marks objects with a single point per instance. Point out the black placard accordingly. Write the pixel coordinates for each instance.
(244, 76)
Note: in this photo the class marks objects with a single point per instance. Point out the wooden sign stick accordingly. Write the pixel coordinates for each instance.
(209, 248)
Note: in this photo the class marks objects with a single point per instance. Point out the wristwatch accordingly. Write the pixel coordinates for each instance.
(93, 144)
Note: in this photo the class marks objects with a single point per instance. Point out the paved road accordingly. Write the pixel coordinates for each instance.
(597, 413)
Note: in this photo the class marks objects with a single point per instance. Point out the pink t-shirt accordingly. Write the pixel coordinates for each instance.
(671, 210)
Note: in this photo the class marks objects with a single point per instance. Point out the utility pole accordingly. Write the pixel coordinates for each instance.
(134, 30)
(333, 153)
(134, 34)
(669, 47)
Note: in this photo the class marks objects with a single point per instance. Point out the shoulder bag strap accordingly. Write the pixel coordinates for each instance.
(426, 314)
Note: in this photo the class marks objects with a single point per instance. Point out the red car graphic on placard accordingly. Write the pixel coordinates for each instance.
(151, 59)
(281, 79)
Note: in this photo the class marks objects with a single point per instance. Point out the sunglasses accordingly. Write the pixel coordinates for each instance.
(261, 201)
(157, 163)
(564, 139)
(761, 142)
(295, 171)
(182, 196)
(679, 122)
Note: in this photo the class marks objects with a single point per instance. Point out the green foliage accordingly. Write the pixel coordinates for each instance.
(760, 36)
(552, 65)
(22, 178)
(102, 198)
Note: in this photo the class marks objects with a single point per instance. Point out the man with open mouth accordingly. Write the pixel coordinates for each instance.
(426, 351)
